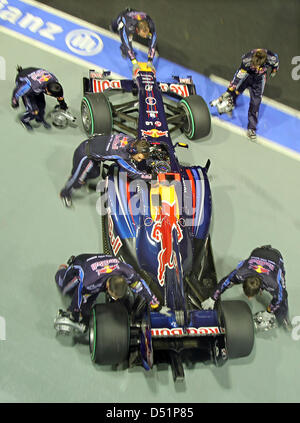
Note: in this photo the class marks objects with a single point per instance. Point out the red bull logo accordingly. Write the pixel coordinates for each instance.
(260, 269)
(154, 133)
(106, 269)
(165, 224)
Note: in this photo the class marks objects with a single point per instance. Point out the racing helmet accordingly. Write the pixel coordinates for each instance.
(55, 89)
(140, 145)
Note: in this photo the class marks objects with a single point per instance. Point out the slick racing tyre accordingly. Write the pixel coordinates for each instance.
(96, 114)
(239, 328)
(197, 121)
(109, 333)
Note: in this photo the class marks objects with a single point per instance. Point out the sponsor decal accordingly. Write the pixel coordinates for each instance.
(84, 42)
(210, 330)
(115, 242)
(150, 100)
(261, 266)
(157, 124)
(104, 84)
(148, 87)
(105, 269)
(164, 223)
(178, 89)
(154, 133)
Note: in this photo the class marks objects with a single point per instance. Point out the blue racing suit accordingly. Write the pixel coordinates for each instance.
(31, 84)
(267, 263)
(86, 277)
(247, 76)
(126, 25)
(100, 148)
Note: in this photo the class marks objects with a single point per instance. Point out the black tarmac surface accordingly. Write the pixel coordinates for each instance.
(209, 36)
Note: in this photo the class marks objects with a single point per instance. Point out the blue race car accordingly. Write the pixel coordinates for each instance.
(161, 228)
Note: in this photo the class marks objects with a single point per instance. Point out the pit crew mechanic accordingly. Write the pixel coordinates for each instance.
(120, 148)
(131, 22)
(31, 85)
(252, 74)
(263, 270)
(87, 275)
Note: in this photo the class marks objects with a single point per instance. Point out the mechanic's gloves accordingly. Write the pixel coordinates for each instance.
(14, 103)
(63, 104)
(208, 304)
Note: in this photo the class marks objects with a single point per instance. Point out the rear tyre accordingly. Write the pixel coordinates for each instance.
(109, 333)
(197, 121)
(96, 114)
(239, 328)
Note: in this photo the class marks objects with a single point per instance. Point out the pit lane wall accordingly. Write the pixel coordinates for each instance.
(78, 40)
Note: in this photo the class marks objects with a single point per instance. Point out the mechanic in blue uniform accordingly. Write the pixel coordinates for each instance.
(87, 275)
(263, 270)
(31, 85)
(252, 74)
(129, 23)
(123, 149)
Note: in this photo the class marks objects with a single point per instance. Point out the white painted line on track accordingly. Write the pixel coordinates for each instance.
(259, 140)
(53, 50)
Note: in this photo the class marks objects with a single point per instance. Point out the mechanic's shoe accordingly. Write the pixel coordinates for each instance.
(26, 125)
(66, 199)
(251, 134)
(287, 325)
(65, 324)
(46, 124)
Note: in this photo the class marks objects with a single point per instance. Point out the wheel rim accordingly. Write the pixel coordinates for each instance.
(87, 117)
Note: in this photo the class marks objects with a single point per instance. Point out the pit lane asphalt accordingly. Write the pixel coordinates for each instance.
(255, 202)
(211, 36)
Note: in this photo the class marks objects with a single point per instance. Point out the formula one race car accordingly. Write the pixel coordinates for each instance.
(162, 229)
(154, 111)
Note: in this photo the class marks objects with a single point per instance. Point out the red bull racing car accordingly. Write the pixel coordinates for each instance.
(154, 111)
(161, 228)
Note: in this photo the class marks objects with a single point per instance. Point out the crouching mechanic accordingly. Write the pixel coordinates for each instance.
(31, 85)
(263, 270)
(130, 23)
(89, 274)
(123, 149)
(252, 74)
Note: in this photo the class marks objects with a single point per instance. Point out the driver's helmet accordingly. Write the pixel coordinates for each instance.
(140, 145)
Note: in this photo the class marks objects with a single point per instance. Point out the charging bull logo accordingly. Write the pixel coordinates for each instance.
(260, 269)
(165, 223)
(106, 269)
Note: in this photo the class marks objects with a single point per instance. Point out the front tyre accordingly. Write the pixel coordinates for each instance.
(96, 114)
(197, 120)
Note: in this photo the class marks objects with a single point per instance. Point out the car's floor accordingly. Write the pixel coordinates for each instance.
(255, 202)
